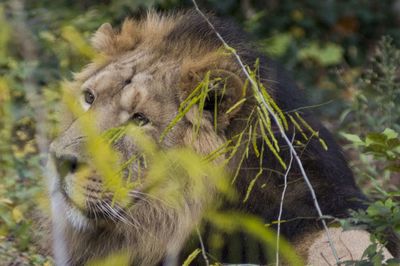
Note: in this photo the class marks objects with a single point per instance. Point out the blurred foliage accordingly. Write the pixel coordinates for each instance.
(384, 214)
(377, 158)
(375, 105)
(373, 118)
(373, 256)
(325, 44)
(385, 145)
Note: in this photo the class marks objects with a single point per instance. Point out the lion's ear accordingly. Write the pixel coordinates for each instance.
(111, 42)
(225, 91)
(103, 39)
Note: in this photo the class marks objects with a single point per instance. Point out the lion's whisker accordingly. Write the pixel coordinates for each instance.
(117, 215)
(140, 197)
(107, 213)
(136, 192)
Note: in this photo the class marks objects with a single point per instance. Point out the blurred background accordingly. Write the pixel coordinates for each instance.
(344, 54)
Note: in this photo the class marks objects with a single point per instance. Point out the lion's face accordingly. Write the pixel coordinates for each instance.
(143, 86)
(126, 91)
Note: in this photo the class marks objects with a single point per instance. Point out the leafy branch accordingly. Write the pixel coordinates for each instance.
(267, 109)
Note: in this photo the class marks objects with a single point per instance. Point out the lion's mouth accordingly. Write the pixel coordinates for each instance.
(85, 195)
(97, 212)
(101, 210)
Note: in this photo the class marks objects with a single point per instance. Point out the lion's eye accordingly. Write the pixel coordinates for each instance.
(140, 119)
(89, 97)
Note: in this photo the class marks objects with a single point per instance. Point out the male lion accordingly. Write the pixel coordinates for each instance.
(151, 66)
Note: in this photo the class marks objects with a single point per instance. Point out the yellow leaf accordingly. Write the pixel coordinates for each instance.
(17, 215)
(191, 257)
(5, 201)
(76, 39)
(117, 258)
(3, 233)
(47, 263)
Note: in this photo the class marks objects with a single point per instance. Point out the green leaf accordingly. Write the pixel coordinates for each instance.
(378, 149)
(327, 55)
(276, 45)
(236, 105)
(390, 133)
(191, 257)
(393, 262)
(393, 143)
(77, 40)
(5, 32)
(375, 138)
(393, 168)
(116, 258)
(352, 138)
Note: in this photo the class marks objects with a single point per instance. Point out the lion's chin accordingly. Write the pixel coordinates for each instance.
(84, 220)
(90, 215)
(74, 215)
(85, 211)
(78, 220)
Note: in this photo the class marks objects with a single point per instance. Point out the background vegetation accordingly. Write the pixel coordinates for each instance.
(335, 49)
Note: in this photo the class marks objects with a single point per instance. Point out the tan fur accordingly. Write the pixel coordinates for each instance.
(159, 78)
(147, 32)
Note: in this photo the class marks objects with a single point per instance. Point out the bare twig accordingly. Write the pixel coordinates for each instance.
(203, 249)
(281, 204)
(325, 259)
(281, 130)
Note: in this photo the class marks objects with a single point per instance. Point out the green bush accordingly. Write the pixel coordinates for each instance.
(375, 108)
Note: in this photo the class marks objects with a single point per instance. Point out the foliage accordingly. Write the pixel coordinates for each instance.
(312, 38)
(375, 108)
(301, 33)
(373, 256)
(385, 145)
(19, 159)
(375, 104)
(384, 214)
(381, 217)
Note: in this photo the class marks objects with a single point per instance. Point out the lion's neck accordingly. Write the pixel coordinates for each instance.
(77, 246)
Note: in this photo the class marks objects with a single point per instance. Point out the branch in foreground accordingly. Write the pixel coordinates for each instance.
(281, 204)
(281, 130)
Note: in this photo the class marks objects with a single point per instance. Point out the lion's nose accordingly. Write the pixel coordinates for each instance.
(66, 164)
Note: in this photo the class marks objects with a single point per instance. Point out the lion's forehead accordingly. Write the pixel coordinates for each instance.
(107, 79)
(141, 68)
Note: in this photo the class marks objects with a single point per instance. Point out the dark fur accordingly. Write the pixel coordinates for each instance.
(328, 171)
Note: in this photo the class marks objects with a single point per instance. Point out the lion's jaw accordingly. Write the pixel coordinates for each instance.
(141, 222)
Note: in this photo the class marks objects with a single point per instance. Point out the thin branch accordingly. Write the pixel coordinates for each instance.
(281, 130)
(203, 249)
(281, 204)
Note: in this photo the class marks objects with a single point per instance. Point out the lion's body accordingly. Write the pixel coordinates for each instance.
(161, 56)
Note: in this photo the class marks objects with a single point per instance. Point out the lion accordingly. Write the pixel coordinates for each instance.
(149, 67)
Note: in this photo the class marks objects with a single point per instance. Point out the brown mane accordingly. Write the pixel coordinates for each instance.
(149, 67)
